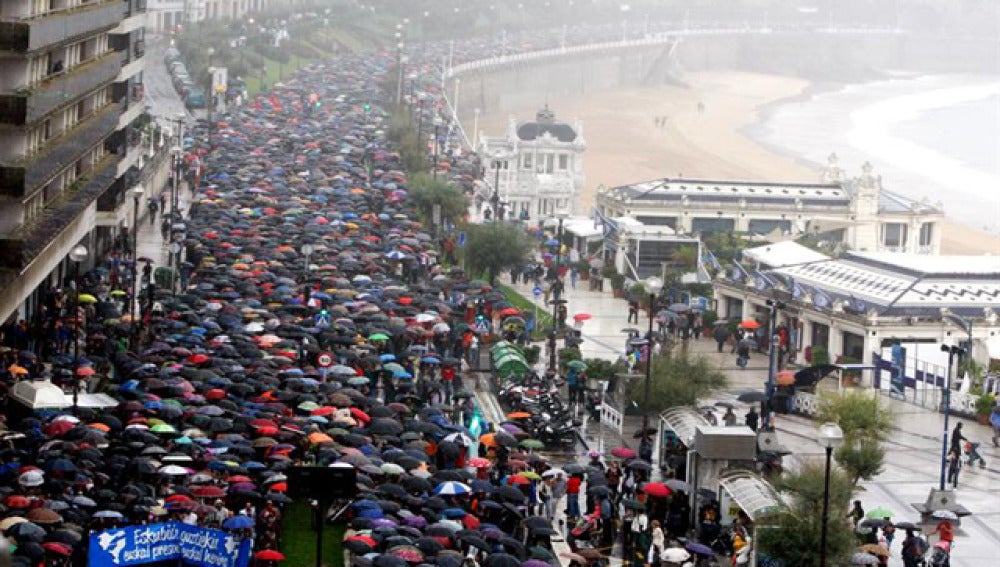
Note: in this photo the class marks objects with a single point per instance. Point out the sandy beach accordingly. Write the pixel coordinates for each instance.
(624, 145)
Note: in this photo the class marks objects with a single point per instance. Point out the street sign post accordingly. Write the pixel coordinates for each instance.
(324, 359)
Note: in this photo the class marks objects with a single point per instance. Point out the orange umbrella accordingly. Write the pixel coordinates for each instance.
(317, 438)
(519, 415)
(85, 371)
(99, 426)
(489, 440)
(785, 378)
(750, 324)
(15, 369)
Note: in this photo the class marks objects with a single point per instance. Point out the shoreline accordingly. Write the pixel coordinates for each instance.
(723, 142)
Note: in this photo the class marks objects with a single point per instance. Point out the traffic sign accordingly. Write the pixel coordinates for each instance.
(537, 291)
(324, 359)
(323, 320)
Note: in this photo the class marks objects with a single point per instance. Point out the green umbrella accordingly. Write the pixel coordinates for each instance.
(163, 428)
(879, 512)
(577, 365)
(308, 406)
(378, 337)
(532, 444)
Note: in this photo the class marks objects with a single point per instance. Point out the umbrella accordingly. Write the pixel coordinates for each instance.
(699, 549)
(862, 558)
(577, 365)
(238, 522)
(749, 324)
(810, 376)
(656, 489)
(269, 555)
(675, 555)
(752, 397)
(623, 452)
(451, 488)
(879, 512)
(945, 515)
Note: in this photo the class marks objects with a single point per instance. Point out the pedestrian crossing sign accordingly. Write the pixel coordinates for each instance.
(323, 319)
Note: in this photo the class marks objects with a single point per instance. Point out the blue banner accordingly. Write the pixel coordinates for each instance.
(169, 541)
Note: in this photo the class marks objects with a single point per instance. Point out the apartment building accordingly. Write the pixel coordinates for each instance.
(71, 90)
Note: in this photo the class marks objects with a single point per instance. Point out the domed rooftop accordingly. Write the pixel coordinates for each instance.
(545, 123)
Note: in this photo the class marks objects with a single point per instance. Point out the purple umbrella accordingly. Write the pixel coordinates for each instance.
(383, 523)
(416, 521)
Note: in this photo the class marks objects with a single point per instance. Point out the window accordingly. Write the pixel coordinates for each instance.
(926, 234)
(894, 235)
(549, 160)
(526, 161)
(563, 162)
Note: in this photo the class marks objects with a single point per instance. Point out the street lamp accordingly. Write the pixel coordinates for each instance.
(772, 355)
(495, 199)
(210, 96)
(78, 255)
(307, 250)
(952, 351)
(437, 125)
(556, 292)
(137, 192)
(830, 437)
(653, 285)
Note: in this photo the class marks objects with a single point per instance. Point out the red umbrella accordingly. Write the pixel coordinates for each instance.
(58, 548)
(85, 371)
(198, 358)
(365, 539)
(279, 487)
(516, 479)
(750, 324)
(16, 501)
(656, 489)
(470, 522)
(580, 317)
(623, 452)
(479, 462)
(360, 415)
(269, 555)
(208, 492)
(510, 311)
(215, 394)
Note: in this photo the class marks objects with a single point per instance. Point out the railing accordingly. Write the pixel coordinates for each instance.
(139, 48)
(56, 26)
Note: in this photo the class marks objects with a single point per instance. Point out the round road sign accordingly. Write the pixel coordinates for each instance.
(324, 359)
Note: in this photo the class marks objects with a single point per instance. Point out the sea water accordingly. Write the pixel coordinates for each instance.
(933, 138)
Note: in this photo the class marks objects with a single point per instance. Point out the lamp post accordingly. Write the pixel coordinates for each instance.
(556, 292)
(210, 96)
(78, 254)
(137, 192)
(653, 285)
(495, 199)
(830, 437)
(772, 355)
(952, 352)
(307, 250)
(437, 125)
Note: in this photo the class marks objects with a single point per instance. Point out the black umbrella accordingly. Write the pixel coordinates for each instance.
(810, 376)
(501, 560)
(752, 397)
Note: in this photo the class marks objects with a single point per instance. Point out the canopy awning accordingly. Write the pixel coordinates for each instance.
(683, 421)
(43, 394)
(754, 495)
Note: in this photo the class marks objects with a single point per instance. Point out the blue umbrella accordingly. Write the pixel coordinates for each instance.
(387, 357)
(238, 522)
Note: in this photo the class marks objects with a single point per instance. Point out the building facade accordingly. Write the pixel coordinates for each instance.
(857, 212)
(166, 15)
(71, 92)
(859, 304)
(537, 167)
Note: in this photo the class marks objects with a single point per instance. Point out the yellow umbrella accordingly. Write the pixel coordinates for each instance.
(86, 298)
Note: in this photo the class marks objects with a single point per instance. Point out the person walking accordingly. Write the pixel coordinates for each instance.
(752, 419)
(720, 334)
(633, 311)
(573, 497)
(954, 466)
(995, 422)
(856, 514)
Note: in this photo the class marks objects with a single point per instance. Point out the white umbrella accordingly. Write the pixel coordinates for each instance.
(459, 438)
(424, 318)
(675, 555)
(452, 488)
(553, 472)
(944, 515)
(862, 558)
(174, 470)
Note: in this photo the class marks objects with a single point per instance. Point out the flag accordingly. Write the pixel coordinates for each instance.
(739, 273)
(761, 281)
(709, 259)
(820, 299)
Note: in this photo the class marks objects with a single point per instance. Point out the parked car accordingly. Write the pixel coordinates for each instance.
(195, 98)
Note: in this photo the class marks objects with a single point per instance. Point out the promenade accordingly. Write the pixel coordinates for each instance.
(913, 450)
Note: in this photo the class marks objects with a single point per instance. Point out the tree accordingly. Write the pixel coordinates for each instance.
(861, 459)
(792, 535)
(866, 424)
(676, 380)
(494, 247)
(425, 192)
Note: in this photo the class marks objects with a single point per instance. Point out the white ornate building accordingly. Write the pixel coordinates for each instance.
(537, 166)
(858, 212)
(166, 15)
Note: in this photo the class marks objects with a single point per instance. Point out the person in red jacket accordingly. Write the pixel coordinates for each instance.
(573, 497)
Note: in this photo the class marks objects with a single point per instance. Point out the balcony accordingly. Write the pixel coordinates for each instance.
(30, 174)
(30, 105)
(134, 7)
(20, 248)
(58, 27)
